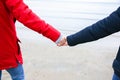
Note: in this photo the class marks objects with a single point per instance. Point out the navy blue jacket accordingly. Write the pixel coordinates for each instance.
(100, 29)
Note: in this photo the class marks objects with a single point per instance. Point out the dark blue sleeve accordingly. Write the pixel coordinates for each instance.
(100, 29)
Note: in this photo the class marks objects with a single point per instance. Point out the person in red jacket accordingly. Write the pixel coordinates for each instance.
(10, 54)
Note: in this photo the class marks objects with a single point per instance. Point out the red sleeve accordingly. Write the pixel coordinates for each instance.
(25, 15)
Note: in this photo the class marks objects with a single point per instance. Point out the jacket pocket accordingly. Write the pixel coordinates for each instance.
(18, 46)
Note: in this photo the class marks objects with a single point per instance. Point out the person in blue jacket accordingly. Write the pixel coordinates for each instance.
(100, 29)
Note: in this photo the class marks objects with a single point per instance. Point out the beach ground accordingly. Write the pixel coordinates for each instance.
(43, 60)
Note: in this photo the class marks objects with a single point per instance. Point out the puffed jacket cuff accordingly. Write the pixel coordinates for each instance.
(59, 39)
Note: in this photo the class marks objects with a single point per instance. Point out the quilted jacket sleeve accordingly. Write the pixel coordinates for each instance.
(100, 29)
(25, 15)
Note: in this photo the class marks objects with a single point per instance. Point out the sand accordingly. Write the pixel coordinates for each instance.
(43, 60)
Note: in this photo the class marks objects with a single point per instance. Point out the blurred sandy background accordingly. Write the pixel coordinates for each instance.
(43, 60)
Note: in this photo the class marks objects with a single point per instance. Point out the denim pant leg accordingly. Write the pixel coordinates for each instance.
(16, 73)
(0, 74)
(115, 77)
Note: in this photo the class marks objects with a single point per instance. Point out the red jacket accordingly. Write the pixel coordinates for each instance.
(10, 10)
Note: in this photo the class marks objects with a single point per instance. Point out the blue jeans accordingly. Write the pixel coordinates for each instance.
(115, 77)
(15, 73)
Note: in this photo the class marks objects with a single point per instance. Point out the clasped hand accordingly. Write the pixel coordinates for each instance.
(63, 42)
